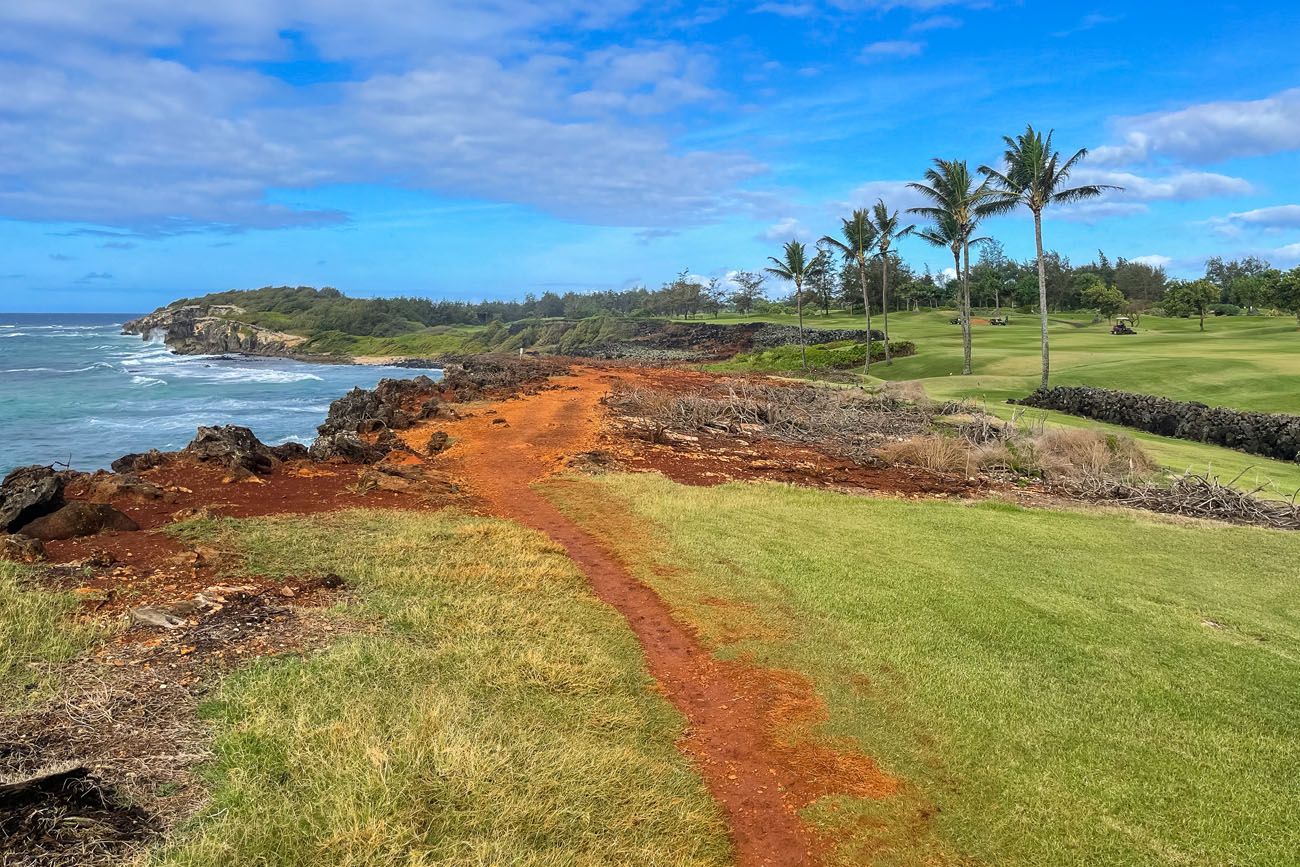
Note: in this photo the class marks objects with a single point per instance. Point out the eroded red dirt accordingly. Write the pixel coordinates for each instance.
(748, 726)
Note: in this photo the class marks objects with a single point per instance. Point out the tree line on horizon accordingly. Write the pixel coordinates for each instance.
(1033, 176)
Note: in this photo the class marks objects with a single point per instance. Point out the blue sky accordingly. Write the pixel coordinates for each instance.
(488, 149)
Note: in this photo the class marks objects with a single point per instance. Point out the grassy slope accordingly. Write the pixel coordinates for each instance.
(1045, 680)
(36, 632)
(1242, 362)
(494, 714)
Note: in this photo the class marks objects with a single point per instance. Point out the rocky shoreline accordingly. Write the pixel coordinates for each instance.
(360, 431)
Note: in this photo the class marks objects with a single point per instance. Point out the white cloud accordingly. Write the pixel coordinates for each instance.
(787, 10)
(1271, 219)
(1089, 22)
(1139, 190)
(1154, 260)
(465, 106)
(935, 22)
(1211, 131)
(785, 230)
(896, 48)
(898, 196)
(1288, 255)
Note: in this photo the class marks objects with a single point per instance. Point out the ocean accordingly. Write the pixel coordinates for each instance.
(73, 389)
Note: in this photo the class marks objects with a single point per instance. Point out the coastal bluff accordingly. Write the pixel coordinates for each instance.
(200, 329)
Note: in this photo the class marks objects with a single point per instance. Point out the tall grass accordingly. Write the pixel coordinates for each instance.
(36, 633)
(490, 711)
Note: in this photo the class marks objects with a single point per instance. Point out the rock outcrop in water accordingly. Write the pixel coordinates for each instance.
(196, 329)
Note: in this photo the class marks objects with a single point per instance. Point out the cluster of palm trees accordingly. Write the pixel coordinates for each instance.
(1033, 176)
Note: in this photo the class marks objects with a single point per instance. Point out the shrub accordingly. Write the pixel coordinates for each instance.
(934, 452)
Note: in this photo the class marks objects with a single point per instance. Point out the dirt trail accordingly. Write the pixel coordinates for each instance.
(738, 716)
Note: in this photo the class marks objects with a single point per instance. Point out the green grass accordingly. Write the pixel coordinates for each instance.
(36, 633)
(1053, 687)
(490, 711)
(839, 355)
(1245, 362)
(1250, 363)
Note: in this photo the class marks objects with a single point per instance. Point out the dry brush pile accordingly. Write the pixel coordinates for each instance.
(901, 426)
(847, 422)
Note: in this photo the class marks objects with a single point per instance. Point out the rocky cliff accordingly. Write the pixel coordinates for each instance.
(210, 330)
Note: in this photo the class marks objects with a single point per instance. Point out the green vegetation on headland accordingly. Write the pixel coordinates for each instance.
(482, 707)
(1054, 687)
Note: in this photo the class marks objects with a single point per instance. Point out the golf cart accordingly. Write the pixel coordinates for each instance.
(1123, 325)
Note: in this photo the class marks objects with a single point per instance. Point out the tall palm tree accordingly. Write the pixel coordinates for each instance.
(955, 198)
(1033, 175)
(796, 267)
(859, 239)
(887, 231)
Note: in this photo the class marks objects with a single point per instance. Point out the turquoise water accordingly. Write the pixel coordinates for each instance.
(73, 388)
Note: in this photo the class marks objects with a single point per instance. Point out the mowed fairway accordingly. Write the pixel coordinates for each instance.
(1243, 362)
(1053, 687)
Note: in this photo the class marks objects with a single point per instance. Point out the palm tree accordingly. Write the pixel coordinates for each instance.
(859, 239)
(1033, 175)
(796, 267)
(955, 198)
(887, 232)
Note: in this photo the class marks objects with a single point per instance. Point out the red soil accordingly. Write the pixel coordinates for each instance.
(747, 726)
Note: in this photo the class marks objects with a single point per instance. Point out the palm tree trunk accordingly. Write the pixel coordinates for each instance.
(884, 301)
(866, 304)
(961, 311)
(965, 308)
(1042, 294)
(798, 303)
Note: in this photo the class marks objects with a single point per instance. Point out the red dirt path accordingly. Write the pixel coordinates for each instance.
(747, 726)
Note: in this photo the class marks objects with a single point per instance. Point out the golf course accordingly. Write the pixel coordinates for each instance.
(1242, 362)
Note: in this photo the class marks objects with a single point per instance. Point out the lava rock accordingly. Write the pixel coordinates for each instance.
(437, 442)
(27, 493)
(21, 549)
(232, 446)
(384, 406)
(78, 519)
(290, 452)
(102, 487)
(1270, 435)
(346, 446)
(138, 462)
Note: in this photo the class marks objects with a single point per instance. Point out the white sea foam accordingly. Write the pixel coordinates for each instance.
(147, 381)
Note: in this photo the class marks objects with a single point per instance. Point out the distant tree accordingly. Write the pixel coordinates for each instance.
(823, 280)
(1140, 281)
(1255, 290)
(858, 239)
(1223, 274)
(1191, 298)
(748, 290)
(1034, 176)
(956, 201)
(1286, 294)
(795, 267)
(715, 297)
(1094, 292)
(887, 231)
